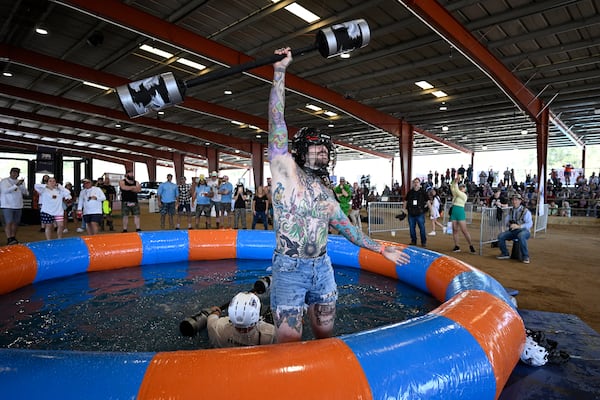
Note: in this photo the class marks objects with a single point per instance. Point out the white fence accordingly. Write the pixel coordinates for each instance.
(491, 225)
(541, 221)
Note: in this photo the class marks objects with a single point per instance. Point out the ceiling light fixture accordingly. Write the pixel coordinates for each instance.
(191, 63)
(40, 30)
(330, 114)
(96, 85)
(8, 74)
(301, 12)
(445, 128)
(484, 147)
(424, 85)
(227, 92)
(345, 55)
(439, 93)
(154, 50)
(237, 123)
(524, 132)
(313, 107)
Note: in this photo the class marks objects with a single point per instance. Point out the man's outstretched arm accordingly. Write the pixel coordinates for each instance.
(278, 134)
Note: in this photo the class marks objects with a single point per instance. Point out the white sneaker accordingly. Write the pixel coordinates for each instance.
(79, 230)
(444, 230)
(431, 233)
(65, 230)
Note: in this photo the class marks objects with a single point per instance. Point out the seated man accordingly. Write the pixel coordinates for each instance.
(243, 326)
(519, 222)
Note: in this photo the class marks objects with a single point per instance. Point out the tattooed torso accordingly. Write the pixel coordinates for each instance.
(302, 208)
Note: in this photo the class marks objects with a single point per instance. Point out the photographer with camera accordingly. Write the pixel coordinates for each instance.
(519, 222)
(242, 327)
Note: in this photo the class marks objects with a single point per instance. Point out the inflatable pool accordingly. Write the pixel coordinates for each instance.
(466, 348)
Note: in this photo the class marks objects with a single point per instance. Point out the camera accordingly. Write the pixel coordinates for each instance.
(262, 285)
(194, 324)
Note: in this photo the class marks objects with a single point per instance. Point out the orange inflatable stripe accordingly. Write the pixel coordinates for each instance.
(284, 371)
(114, 251)
(206, 245)
(494, 324)
(441, 272)
(18, 267)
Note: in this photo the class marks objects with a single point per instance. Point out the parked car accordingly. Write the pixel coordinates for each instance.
(149, 189)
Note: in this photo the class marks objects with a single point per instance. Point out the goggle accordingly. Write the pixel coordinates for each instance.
(318, 139)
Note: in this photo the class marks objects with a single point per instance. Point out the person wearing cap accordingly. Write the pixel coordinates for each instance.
(242, 327)
(184, 202)
(518, 222)
(12, 191)
(215, 199)
(343, 192)
(202, 195)
(166, 196)
(129, 201)
(52, 198)
(226, 192)
(90, 206)
(305, 208)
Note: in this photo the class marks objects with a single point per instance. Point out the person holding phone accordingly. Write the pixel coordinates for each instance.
(12, 190)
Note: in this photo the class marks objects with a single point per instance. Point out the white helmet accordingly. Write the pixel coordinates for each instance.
(534, 354)
(244, 310)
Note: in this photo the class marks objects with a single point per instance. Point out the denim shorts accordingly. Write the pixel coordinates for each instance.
(298, 282)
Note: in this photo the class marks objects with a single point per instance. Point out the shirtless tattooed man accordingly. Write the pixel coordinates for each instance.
(304, 208)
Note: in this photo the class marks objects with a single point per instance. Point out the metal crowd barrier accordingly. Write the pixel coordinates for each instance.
(382, 217)
(541, 220)
(491, 225)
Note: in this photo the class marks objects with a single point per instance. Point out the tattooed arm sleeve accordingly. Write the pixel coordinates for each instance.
(341, 222)
(278, 134)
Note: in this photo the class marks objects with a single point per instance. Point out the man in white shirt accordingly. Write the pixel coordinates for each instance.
(12, 191)
(90, 205)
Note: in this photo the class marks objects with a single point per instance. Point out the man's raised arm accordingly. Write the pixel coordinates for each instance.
(278, 134)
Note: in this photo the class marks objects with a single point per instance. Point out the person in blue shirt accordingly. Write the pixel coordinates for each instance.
(226, 192)
(167, 196)
(519, 223)
(202, 196)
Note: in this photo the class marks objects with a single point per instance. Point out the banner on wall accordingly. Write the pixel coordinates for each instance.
(44, 163)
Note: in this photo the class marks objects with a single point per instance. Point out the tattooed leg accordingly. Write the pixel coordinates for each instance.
(322, 318)
(288, 324)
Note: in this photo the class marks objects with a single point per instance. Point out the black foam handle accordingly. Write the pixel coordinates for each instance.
(222, 73)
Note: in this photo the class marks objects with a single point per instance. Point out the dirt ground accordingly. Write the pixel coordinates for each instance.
(562, 276)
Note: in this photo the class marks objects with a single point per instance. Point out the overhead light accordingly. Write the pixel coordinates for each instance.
(345, 55)
(40, 30)
(154, 50)
(330, 125)
(484, 147)
(524, 132)
(443, 108)
(191, 63)
(7, 74)
(96, 85)
(330, 114)
(237, 123)
(424, 85)
(118, 126)
(227, 92)
(258, 136)
(435, 151)
(161, 113)
(313, 107)
(207, 144)
(253, 127)
(445, 128)
(301, 12)
(439, 93)
(237, 151)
